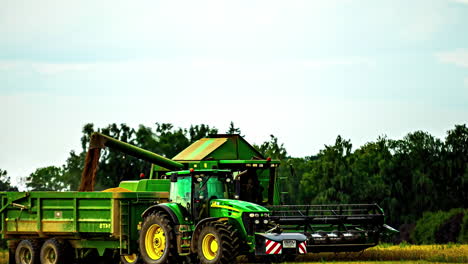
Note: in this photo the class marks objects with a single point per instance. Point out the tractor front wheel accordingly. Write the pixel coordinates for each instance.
(157, 240)
(218, 243)
(129, 259)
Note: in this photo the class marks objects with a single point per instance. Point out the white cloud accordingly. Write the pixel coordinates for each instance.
(461, 1)
(55, 68)
(61, 28)
(458, 57)
(425, 19)
(336, 62)
(43, 68)
(7, 65)
(206, 63)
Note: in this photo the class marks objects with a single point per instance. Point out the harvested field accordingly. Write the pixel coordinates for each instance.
(379, 262)
(383, 254)
(433, 253)
(450, 253)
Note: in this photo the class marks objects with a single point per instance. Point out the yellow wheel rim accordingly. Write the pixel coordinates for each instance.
(210, 246)
(155, 242)
(130, 258)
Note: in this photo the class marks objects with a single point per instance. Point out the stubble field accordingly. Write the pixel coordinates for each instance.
(383, 254)
(404, 253)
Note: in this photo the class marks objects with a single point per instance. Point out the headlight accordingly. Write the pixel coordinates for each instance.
(257, 215)
(265, 221)
(251, 215)
(257, 222)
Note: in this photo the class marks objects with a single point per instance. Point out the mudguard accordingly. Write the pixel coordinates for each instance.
(163, 208)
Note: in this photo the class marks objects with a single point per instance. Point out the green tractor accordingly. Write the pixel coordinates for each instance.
(203, 218)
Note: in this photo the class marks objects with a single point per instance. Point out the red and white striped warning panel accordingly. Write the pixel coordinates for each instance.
(273, 247)
(303, 248)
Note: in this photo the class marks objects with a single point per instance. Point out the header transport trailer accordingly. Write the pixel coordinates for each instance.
(197, 207)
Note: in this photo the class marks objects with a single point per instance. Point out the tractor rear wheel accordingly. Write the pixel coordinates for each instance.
(54, 252)
(157, 240)
(27, 252)
(218, 243)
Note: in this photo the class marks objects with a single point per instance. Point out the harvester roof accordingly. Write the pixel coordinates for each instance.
(219, 147)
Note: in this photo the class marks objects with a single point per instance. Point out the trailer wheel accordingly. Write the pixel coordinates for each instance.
(129, 259)
(27, 252)
(157, 240)
(218, 243)
(54, 252)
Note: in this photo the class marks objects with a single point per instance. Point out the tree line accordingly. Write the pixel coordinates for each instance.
(406, 177)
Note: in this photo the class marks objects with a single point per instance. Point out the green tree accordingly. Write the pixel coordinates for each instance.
(369, 165)
(232, 130)
(46, 179)
(416, 163)
(72, 170)
(5, 183)
(273, 149)
(328, 180)
(170, 141)
(201, 131)
(456, 168)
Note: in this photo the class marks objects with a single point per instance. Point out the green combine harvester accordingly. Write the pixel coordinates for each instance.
(214, 201)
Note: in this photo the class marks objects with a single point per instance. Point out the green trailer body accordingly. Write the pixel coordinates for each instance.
(94, 220)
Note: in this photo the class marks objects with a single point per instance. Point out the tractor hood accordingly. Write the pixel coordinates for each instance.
(237, 206)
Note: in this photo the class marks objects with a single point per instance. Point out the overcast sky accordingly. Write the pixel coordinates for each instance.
(304, 71)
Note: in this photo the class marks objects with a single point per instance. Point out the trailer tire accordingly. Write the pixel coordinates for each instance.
(55, 252)
(218, 242)
(12, 244)
(130, 259)
(157, 240)
(11, 255)
(27, 252)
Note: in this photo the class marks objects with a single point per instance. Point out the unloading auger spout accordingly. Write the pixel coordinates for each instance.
(99, 141)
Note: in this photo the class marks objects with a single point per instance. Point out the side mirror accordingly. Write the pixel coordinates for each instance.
(238, 188)
(174, 177)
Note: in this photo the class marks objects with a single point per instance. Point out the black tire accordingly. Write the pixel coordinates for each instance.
(11, 256)
(190, 259)
(12, 244)
(167, 253)
(218, 243)
(27, 252)
(132, 259)
(55, 252)
(105, 260)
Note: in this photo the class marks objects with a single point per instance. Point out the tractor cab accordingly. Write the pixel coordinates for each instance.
(195, 189)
